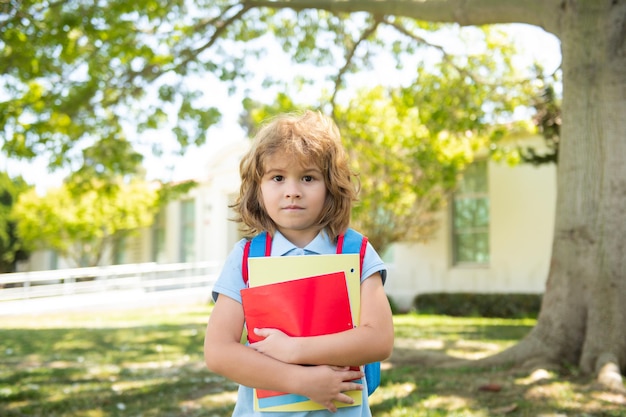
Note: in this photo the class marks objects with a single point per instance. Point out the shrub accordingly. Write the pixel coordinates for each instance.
(479, 305)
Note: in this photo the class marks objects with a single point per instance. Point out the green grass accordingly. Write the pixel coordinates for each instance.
(149, 363)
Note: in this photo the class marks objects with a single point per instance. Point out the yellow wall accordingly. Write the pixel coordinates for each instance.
(522, 203)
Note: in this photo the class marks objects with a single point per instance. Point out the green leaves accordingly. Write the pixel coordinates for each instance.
(12, 248)
(405, 170)
(75, 73)
(71, 72)
(81, 81)
(80, 226)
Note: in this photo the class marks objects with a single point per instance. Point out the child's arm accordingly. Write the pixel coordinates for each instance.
(371, 341)
(225, 355)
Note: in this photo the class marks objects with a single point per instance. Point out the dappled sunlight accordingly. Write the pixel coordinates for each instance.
(609, 397)
(104, 370)
(460, 349)
(579, 399)
(535, 376)
(393, 391)
(473, 349)
(70, 343)
(154, 368)
(220, 399)
(553, 390)
(419, 344)
(447, 402)
(122, 386)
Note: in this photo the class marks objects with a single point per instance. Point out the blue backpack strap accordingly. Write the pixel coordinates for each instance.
(258, 246)
(353, 242)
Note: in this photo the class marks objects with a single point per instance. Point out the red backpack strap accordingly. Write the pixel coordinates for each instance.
(268, 244)
(260, 245)
(340, 240)
(362, 252)
(244, 262)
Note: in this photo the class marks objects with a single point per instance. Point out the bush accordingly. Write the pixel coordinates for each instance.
(479, 305)
(394, 306)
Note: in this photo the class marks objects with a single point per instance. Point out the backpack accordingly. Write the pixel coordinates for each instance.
(350, 242)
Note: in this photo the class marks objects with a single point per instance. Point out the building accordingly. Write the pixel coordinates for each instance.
(495, 236)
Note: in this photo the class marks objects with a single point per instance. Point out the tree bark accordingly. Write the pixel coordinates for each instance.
(586, 288)
(583, 316)
(541, 13)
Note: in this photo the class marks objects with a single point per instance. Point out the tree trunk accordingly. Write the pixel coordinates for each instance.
(585, 300)
(583, 316)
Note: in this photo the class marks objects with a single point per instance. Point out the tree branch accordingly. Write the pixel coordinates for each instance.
(542, 13)
(447, 58)
(151, 73)
(220, 27)
(343, 70)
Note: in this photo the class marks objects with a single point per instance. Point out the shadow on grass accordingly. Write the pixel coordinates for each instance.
(422, 392)
(157, 370)
(415, 384)
(152, 397)
(154, 370)
(446, 328)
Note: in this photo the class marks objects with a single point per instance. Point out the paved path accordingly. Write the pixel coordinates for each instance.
(105, 301)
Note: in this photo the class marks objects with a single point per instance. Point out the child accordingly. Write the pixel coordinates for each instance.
(297, 186)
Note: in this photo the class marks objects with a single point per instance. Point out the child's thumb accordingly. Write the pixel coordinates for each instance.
(261, 332)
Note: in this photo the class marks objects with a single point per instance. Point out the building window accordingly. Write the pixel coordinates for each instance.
(54, 260)
(158, 238)
(188, 230)
(470, 217)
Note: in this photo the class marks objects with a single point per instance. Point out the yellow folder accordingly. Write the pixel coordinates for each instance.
(273, 269)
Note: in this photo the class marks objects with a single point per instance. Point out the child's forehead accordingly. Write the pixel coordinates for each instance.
(285, 160)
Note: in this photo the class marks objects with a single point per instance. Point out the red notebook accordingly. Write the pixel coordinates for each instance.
(310, 306)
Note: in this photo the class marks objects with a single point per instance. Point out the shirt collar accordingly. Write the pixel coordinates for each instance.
(320, 245)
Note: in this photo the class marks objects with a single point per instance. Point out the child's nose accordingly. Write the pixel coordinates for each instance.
(293, 190)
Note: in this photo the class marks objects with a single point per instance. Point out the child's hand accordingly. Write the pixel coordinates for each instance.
(326, 384)
(275, 344)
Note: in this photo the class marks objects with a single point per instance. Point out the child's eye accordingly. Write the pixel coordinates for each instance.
(307, 178)
(277, 178)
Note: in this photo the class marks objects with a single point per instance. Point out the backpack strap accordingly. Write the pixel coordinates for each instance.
(352, 242)
(261, 245)
(258, 246)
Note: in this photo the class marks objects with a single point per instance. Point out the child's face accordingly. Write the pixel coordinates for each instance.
(293, 196)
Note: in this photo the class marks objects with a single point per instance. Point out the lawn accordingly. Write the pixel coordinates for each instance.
(149, 363)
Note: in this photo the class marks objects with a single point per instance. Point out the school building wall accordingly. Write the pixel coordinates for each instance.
(522, 205)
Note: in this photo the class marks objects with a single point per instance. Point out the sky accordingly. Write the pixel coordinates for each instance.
(533, 43)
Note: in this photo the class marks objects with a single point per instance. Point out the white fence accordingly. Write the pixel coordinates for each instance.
(146, 277)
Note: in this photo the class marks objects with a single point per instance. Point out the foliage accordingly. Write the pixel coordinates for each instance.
(75, 72)
(11, 246)
(77, 79)
(410, 144)
(548, 121)
(82, 225)
(149, 362)
(173, 191)
(404, 179)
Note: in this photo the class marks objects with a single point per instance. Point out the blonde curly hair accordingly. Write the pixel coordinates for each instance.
(306, 138)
